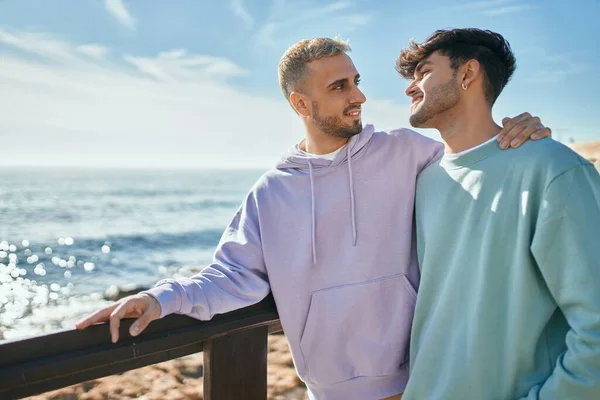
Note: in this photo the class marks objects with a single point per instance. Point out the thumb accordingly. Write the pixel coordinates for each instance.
(505, 121)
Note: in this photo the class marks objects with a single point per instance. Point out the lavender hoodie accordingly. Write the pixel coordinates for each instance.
(334, 242)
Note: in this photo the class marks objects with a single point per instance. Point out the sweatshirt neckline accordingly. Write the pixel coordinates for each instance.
(452, 161)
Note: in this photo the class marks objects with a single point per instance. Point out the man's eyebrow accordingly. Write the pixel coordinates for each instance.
(421, 65)
(342, 80)
(337, 82)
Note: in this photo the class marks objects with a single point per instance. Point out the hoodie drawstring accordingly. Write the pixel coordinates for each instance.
(351, 196)
(312, 208)
(312, 205)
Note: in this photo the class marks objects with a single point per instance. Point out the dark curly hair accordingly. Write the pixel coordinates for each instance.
(490, 49)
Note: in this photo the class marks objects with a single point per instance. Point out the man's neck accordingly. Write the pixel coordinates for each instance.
(467, 127)
(321, 144)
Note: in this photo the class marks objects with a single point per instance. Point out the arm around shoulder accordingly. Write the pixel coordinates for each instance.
(424, 149)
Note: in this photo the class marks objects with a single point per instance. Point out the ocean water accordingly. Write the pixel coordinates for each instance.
(69, 237)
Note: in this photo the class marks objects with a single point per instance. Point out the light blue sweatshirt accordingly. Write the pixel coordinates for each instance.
(334, 242)
(509, 298)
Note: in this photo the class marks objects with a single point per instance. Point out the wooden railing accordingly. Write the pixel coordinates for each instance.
(234, 346)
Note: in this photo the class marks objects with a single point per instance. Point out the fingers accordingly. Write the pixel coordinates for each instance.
(140, 324)
(517, 130)
(523, 135)
(151, 312)
(99, 316)
(542, 133)
(509, 123)
(115, 320)
(145, 307)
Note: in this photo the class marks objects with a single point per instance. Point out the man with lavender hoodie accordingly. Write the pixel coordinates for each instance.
(329, 231)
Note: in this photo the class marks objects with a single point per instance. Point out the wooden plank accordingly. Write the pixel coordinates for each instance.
(43, 378)
(235, 366)
(49, 362)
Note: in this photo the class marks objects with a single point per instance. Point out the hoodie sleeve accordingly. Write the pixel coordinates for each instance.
(235, 279)
(424, 150)
(565, 246)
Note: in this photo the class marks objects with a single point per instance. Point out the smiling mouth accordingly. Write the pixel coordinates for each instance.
(353, 113)
(416, 100)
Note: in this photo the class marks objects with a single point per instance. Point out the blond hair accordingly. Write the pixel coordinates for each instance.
(292, 65)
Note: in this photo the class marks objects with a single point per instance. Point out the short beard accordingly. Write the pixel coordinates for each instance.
(440, 99)
(333, 126)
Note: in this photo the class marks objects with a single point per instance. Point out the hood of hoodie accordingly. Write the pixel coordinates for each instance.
(297, 159)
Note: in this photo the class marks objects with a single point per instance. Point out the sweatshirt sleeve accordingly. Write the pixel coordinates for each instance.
(566, 246)
(235, 279)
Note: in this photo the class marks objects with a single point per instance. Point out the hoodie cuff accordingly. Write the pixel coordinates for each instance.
(168, 295)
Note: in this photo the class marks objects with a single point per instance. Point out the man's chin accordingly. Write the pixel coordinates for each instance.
(417, 122)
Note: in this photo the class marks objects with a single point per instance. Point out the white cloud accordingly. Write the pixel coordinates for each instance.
(240, 11)
(93, 50)
(289, 17)
(118, 10)
(37, 43)
(177, 66)
(176, 110)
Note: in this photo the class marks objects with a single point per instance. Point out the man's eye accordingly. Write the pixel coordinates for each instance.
(338, 87)
(357, 82)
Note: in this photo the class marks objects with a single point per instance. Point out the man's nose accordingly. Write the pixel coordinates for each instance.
(410, 90)
(358, 97)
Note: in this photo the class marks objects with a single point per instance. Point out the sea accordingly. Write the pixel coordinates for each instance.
(71, 239)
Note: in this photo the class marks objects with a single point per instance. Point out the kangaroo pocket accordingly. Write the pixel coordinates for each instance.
(356, 330)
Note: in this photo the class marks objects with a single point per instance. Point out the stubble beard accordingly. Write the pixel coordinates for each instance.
(334, 126)
(441, 99)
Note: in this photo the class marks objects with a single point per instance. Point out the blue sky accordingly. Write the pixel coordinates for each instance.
(193, 84)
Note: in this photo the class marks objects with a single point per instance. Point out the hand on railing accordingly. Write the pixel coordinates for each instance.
(141, 306)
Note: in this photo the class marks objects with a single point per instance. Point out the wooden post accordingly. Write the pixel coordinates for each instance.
(235, 366)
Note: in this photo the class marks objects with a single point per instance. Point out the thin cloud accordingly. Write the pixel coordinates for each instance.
(241, 12)
(482, 4)
(118, 10)
(178, 66)
(493, 7)
(93, 50)
(286, 17)
(507, 10)
(40, 44)
(553, 67)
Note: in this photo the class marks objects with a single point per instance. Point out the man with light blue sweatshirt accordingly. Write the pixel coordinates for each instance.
(508, 241)
(329, 231)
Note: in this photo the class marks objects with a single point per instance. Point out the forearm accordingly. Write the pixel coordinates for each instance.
(235, 279)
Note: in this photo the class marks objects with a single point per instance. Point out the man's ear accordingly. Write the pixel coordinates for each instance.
(470, 72)
(300, 104)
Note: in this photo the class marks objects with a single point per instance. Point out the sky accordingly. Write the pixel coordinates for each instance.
(193, 83)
